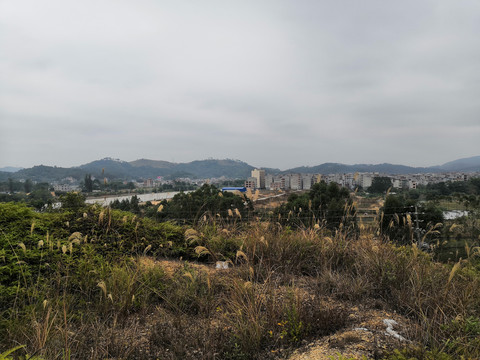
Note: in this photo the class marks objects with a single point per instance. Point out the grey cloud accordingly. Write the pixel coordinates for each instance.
(274, 83)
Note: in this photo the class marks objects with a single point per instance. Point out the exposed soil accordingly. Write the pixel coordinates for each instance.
(364, 337)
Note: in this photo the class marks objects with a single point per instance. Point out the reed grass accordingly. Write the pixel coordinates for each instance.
(92, 296)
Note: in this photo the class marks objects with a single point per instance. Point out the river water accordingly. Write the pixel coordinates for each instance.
(454, 214)
(105, 201)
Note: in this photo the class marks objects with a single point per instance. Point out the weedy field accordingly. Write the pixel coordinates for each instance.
(94, 283)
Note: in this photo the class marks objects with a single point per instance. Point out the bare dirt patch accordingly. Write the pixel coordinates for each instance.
(365, 336)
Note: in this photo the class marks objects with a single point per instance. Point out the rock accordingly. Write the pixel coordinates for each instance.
(221, 265)
(390, 323)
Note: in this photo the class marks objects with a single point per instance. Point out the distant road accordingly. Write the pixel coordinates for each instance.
(107, 200)
(273, 196)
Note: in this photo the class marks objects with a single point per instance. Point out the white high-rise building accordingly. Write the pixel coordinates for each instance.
(365, 181)
(260, 176)
(296, 182)
(269, 180)
(307, 182)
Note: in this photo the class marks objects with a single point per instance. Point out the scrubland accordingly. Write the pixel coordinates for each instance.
(94, 283)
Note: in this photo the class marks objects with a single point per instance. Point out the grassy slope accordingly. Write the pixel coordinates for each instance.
(89, 284)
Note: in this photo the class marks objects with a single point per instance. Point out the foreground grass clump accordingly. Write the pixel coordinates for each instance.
(35, 247)
(92, 283)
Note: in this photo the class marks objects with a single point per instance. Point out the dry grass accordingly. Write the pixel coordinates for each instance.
(285, 286)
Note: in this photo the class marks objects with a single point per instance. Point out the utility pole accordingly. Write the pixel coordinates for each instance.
(417, 228)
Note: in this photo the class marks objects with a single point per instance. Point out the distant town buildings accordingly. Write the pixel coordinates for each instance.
(307, 182)
(349, 180)
(65, 187)
(364, 180)
(148, 183)
(251, 183)
(259, 176)
(259, 179)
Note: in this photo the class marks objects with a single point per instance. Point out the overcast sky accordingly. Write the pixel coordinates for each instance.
(273, 83)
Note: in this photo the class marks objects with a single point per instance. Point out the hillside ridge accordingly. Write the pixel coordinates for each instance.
(208, 168)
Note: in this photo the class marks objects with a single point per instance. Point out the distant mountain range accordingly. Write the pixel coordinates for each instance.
(334, 168)
(466, 164)
(471, 164)
(144, 168)
(10, 169)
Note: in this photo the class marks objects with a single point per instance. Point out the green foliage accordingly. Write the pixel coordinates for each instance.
(124, 287)
(175, 186)
(91, 280)
(33, 246)
(398, 220)
(88, 183)
(5, 354)
(293, 326)
(189, 291)
(206, 201)
(72, 201)
(28, 185)
(234, 182)
(131, 205)
(341, 357)
(463, 336)
(323, 204)
(451, 188)
(36, 195)
(42, 173)
(380, 185)
(11, 186)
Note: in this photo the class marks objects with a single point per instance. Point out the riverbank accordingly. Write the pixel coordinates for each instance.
(107, 200)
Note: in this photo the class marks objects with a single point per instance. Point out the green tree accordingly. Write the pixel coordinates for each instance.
(189, 207)
(398, 219)
(28, 186)
(72, 201)
(135, 204)
(132, 204)
(474, 184)
(380, 185)
(329, 204)
(88, 183)
(11, 185)
(40, 197)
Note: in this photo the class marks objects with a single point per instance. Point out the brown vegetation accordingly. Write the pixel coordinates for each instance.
(284, 288)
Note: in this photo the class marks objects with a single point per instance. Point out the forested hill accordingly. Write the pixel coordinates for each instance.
(118, 169)
(152, 168)
(471, 164)
(41, 173)
(145, 168)
(466, 164)
(335, 168)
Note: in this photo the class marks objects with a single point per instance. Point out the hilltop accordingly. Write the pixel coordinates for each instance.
(101, 283)
(465, 164)
(147, 168)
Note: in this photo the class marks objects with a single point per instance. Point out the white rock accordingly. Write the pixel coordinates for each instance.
(389, 323)
(221, 265)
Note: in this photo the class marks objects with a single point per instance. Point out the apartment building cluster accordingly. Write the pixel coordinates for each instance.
(65, 187)
(411, 181)
(260, 180)
(66, 184)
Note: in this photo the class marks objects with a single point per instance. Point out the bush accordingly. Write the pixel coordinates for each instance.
(325, 204)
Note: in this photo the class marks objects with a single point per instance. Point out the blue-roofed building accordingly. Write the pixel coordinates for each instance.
(233, 188)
